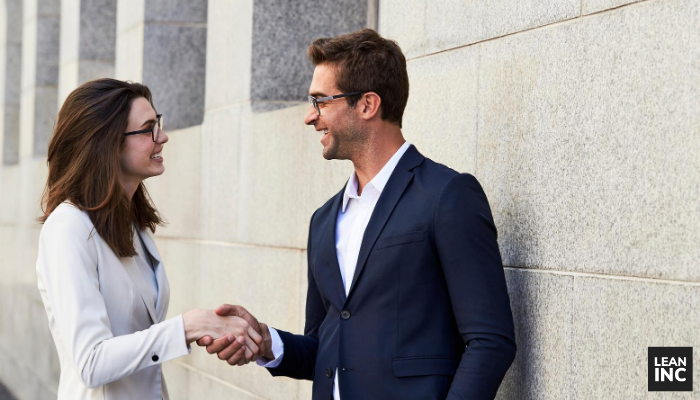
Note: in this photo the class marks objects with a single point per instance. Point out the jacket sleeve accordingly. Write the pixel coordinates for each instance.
(300, 351)
(466, 240)
(67, 270)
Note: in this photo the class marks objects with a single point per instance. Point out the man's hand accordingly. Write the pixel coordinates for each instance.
(233, 352)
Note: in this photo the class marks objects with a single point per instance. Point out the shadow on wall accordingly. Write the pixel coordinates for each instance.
(5, 394)
(542, 306)
(518, 379)
(529, 307)
(28, 359)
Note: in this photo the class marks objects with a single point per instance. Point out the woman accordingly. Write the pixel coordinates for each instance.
(100, 275)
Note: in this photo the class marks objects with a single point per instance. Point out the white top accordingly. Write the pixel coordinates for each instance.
(110, 330)
(353, 217)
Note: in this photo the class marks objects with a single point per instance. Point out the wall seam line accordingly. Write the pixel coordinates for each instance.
(606, 276)
(560, 22)
(228, 244)
(217, 380)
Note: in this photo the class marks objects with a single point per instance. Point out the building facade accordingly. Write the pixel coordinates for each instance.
(581, 119)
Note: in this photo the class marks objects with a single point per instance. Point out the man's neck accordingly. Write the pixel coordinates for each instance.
(374, 157)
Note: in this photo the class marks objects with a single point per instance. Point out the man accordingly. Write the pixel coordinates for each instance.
(406, 291)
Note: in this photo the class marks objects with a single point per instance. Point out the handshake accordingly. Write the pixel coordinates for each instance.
(231, 332)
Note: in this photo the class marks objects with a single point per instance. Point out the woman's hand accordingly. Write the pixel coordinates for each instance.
(199, 323)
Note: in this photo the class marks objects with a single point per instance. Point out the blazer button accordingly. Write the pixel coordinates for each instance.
(154, 358)
(345, 314)
(329, 373)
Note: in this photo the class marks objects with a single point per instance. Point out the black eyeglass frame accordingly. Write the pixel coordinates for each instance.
(314, 101)
(151, 129)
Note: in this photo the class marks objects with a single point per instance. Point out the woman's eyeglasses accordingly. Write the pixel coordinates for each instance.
(153, 130)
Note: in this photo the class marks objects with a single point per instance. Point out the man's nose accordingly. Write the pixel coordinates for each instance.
(311, 116)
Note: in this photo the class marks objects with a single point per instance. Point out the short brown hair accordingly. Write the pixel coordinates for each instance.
(84, 162)
(366, 62)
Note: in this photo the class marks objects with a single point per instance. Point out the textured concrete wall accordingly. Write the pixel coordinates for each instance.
(579, 117)
(29, 364)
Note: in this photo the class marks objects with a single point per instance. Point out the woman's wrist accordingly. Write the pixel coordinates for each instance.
(192, 320)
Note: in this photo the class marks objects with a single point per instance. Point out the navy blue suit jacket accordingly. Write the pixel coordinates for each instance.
(428, 314)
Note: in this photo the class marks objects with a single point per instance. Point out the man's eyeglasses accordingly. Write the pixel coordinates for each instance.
(153, 130)
(314, 101)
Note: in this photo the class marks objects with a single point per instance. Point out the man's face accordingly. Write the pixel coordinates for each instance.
(340, 127)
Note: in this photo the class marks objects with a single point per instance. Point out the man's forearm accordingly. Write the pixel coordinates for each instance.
(299, 358)
(484, 364)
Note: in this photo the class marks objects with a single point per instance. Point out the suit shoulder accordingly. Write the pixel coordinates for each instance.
(437, 173)
(67, 218)
(445, 179)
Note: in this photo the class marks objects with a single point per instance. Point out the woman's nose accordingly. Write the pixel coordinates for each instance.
(162, 137)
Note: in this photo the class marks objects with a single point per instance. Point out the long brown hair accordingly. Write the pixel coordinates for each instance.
(84, 162)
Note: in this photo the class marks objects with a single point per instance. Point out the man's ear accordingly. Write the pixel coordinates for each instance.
(369, 105)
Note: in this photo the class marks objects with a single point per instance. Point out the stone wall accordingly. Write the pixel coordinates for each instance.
(580, 118)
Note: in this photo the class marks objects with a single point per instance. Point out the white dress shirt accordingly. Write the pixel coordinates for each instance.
(353, 217)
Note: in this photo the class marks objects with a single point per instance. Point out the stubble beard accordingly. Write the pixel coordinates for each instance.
(347, 141)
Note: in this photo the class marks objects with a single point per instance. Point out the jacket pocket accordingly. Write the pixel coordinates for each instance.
(425, 365)
(403, 238)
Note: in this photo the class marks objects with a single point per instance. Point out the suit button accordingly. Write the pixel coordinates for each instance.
(329, 373)
(345, 314)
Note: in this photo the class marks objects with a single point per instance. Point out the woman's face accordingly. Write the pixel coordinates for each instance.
(141, 157)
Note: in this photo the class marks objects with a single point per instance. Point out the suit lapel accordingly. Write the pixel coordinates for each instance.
(162, 279)
(137, 278)
(329, 254)
(394, 189)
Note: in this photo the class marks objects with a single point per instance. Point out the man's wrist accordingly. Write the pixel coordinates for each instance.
(267, 340)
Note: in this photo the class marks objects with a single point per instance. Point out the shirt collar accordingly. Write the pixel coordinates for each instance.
(379, 181)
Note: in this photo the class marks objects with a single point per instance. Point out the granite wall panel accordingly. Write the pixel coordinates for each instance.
(587, 142)
(282, 32)
(174, 59)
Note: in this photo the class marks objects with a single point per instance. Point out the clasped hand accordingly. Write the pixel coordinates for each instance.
(230, 331)
(245, 340)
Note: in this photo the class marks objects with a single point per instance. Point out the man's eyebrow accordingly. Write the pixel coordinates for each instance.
(317, 94)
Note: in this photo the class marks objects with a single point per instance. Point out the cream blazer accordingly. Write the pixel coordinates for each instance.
(110, 339)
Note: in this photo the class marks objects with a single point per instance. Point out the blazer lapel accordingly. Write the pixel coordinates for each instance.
(328, 251)
(162, 279)
(391, 194)
(133, 270)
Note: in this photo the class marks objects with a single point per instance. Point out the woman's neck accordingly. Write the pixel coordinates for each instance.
(130, 186)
